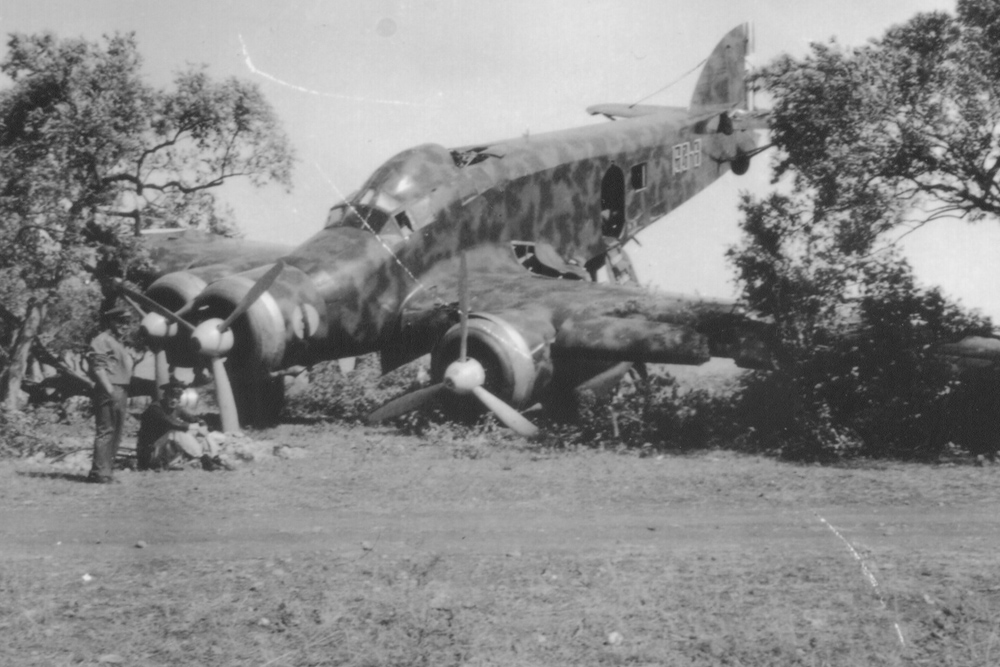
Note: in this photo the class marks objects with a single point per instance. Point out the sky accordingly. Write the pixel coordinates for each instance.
(356, 82)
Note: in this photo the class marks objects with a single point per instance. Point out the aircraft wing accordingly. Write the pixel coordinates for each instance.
(185, 249)
(583, 320)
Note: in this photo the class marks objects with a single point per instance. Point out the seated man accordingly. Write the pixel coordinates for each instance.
(170, 437)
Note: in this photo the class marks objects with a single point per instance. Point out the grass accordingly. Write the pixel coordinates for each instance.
(464, 549)
(314, 609)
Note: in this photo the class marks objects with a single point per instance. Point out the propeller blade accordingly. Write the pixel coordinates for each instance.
(135, 306)
(258, 288)
(508, 415)
(151, 305)
(463, 306)
(224, 397)
(406, 403)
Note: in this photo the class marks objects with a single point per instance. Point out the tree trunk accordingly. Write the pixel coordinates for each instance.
(10, 388)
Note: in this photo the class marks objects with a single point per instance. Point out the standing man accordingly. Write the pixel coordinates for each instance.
(111, 368)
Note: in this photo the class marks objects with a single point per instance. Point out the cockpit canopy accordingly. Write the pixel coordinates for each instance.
(378, 213)
(395, 201)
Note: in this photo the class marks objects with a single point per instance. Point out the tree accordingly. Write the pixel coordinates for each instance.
(856, 369)
(91, 155)
(906, 129)
(872, 143)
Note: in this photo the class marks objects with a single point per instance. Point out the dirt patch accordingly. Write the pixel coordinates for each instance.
(351, 546)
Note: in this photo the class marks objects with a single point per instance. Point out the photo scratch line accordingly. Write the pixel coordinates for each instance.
(318, 93)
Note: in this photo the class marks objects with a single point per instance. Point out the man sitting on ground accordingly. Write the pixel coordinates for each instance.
(170, 437)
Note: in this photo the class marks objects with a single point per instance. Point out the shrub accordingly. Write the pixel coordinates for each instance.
(350, 397)
(26, 433)
(653, 415)
(872, 386)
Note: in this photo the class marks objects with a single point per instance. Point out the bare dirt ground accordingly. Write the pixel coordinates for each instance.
(359, 546)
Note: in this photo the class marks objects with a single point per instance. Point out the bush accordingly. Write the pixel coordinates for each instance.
(643, 415)
(26, 433)
(350, 397)
(875, 387)
(653, 415)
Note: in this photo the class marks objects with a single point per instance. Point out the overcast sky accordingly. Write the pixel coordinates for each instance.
(356, 82)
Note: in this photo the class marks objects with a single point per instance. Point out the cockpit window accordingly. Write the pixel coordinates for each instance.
(359, 217)
(373, 211)
(386, 203)
(404, 223)
(336, 216)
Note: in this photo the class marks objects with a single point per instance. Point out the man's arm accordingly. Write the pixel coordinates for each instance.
(188, 417)
(156, 415)
(103, 379)
(100, 353)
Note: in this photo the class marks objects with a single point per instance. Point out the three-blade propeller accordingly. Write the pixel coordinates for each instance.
(212, 338)
(463, 377)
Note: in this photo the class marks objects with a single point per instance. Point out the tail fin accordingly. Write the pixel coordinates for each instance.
(722, 84)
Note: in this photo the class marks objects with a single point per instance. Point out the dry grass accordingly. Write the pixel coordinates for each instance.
(379, 549)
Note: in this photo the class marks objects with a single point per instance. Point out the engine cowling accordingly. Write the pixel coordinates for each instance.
(173, 291)
(516, 361)
(259, 334)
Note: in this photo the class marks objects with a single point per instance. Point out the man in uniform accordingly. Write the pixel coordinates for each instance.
(170, 437)
(111, 368)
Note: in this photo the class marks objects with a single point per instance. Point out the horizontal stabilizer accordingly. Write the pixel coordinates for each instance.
(973, 347)
(632, 110)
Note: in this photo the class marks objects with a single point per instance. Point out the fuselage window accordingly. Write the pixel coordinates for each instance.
(405, 226)
(638, 176)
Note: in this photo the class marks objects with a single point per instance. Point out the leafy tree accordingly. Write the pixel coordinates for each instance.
(91, 155)
(898, 132)
(872, 143)
(856, 370)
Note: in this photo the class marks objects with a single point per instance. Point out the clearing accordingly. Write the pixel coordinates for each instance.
(360, 546)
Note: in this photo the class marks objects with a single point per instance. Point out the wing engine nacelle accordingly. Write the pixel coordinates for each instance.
(173, 291)
(257, 338)
(516, 360)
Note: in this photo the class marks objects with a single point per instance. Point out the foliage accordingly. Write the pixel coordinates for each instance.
(907, 123)
(643, 416)
(89, 148)
(872, 142)
(652, 415)
(91, 155)
(24, 434)
(332, 394)
(855, 370)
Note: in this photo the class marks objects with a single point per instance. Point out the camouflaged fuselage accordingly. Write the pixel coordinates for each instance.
(549, 188)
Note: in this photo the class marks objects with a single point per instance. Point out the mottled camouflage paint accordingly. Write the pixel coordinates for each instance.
(395, 290)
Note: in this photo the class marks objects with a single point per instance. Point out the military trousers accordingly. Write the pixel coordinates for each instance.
(109, 420)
